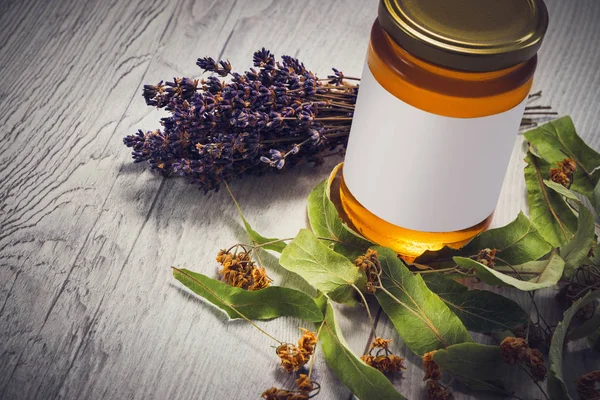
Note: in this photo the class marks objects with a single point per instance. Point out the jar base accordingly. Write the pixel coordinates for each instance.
(408, 243)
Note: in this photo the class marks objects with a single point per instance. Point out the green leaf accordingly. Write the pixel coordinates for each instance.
(557, 389)
(480, 310)
(558, 140)
(268, 303)
(478, 366)
(575, 253)
(273, 243)
(517, 243)
(323, 268)
(493, 386)
(597, 198)
(594, 340)
(549, 273)
(364, 381)
(421, 318)
(548, 211)
(563, 191)
(472, 360)
(586, 328)
(325, 220)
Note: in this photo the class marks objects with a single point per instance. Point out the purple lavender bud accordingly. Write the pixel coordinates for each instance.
(225, 68)
(315, 135)
(337, 78)
(276, 154)
(218, 130)
(288, 112)
(251, 74)
(214, 85)
(136, 139)
(305, 116)
(294, 64)
(263, 59)
(207, 64)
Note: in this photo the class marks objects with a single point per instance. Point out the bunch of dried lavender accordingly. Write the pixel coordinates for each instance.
(280, 114)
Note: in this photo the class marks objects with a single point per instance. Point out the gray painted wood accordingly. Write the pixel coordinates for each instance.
(88, 308)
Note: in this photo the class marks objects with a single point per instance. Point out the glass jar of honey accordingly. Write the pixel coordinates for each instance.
(441, 98)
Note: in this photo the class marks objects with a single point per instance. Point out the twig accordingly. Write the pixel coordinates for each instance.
(364, 300)
(312, 359)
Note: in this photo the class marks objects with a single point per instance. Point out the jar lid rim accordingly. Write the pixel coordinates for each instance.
(469, 35)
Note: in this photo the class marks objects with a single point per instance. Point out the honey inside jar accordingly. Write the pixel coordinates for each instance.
(478, 87)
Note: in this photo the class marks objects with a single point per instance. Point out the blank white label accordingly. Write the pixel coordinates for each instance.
(424, 171)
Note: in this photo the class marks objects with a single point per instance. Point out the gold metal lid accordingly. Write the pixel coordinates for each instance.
(469, 35)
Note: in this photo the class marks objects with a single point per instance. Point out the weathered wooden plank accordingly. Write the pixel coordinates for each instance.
(192, 230)
(71, 70)
(102, 249)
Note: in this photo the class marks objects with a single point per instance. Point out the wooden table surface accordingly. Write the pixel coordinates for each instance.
(88, 306)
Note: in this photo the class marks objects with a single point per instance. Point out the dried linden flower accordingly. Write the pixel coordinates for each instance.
(386, 362)
(304, 384)
(305, 387)
(517, 351)
(307, 341)
(536, 365)
(380, 343)
(487, 257)
(514, 350)
(568, 166)
(282, 394)
(432, 370)
(563, 175)
(369, 264)
(240, 271)
(436, 391)
(292, 358)
(556, 175)
(295, 357)
(260, 280)
(588, 386)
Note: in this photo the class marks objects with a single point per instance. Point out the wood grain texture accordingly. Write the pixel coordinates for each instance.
(88, 308)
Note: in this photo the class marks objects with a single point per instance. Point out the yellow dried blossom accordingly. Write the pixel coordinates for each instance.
(437, 391)
(307, 341)
(240, 271)
(516, 351)
(568, 166)
(260, 280)
(380, 343)
(369, 264)
(282, 394)
(487, 257)
(304, 384)
(558, 176)
(432, 370)
(292, 358)
(588, 386)
(387, 362)
(295, 357)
